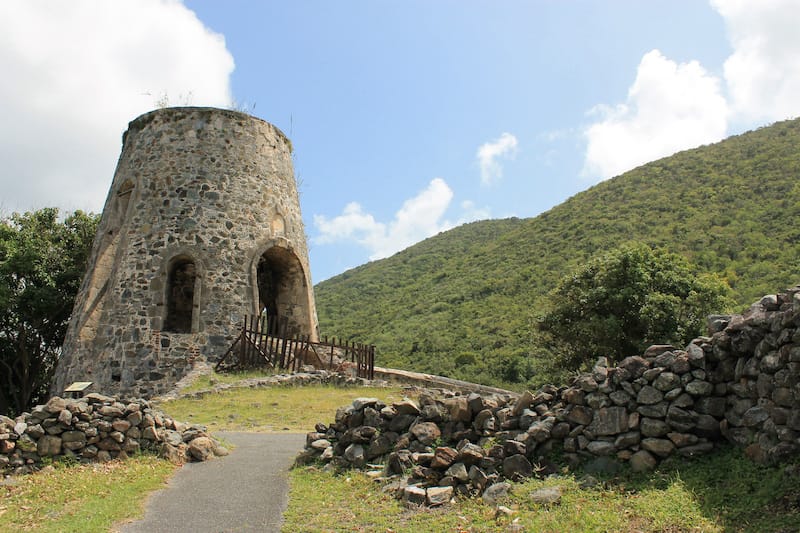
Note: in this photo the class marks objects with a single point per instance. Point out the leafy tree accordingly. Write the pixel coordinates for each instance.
(42, 260)
(619, 303)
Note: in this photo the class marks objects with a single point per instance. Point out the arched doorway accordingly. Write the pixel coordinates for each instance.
(282, 292)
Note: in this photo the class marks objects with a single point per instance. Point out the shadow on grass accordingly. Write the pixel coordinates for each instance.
(730, 489)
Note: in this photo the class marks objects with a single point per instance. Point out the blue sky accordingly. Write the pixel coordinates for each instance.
(407, 118)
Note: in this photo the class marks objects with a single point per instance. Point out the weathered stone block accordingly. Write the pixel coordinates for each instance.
(609, 421)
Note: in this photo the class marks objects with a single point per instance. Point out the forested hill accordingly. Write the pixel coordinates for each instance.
(464, 303)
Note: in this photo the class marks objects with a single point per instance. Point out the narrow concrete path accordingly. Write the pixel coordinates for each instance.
(245, 491)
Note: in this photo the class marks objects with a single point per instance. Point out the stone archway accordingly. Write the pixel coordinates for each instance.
(282, 291)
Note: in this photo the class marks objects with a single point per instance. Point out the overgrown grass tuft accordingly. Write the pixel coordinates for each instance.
(85, 498)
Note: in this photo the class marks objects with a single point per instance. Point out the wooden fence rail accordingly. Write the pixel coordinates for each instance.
(267, 343)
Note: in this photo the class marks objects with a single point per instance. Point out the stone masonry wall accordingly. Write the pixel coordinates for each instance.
(199, 199)
(741, 384)
(98, 428)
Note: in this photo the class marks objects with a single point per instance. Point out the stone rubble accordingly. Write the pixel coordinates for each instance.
(741, 384)
(98, 428)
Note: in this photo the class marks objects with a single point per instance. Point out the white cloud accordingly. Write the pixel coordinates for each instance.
(763, 73)
(419, 217)
(670, 106)
(488, 154)
(75, 73)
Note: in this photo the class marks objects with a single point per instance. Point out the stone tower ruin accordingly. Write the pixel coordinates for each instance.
(201, 227)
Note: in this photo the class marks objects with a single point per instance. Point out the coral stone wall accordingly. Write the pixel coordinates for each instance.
(202, 209)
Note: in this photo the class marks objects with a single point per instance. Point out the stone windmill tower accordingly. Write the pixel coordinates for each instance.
(201, 228)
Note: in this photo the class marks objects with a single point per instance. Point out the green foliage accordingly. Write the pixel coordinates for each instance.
(464, 303)
(621, 302)
(42, 261)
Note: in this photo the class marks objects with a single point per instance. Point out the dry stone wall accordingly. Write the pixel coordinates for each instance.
(98, 428)
(741, 384)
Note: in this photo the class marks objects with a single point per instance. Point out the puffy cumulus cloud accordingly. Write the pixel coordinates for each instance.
(763, 72)
(670, 106)
(418, 218)
(488, 154)
(75, 73)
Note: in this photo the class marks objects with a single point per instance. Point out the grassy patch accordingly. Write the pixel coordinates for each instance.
(724, 492)
(271, 409)
(82, 498)
(208, 381)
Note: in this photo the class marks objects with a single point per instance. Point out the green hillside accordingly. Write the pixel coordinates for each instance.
(464, 303)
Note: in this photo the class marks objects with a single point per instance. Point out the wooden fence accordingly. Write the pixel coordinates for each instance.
(267, 343)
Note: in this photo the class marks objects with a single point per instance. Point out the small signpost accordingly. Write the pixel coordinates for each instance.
(77, 389)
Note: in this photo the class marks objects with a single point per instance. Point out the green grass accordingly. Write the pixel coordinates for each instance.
(85, 498)
(271, 409)
(723, 492)
(208, 381)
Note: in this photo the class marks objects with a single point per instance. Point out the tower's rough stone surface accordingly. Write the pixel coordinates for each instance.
(201, 227)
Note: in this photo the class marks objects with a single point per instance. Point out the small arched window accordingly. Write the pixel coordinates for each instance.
(180, 296)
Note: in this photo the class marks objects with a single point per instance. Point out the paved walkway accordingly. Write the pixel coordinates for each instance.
(245, 491)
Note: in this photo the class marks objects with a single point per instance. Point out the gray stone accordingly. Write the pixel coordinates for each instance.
(478, 477)
(484, 421)
(627, 440)
(600, 447)
(642, 461)
(649, 395)
(609, 421)
(517, 467)
(496, 492)
(699, 388)
(523, 402)
(580, 415)
(597, 400)
(414, 495)
(458, 471)
(406, 407)
(355, 454)
(470, 453)
(586, 383)
(754, 416)
(660, 447)
(667, 381)
(426, 432)
(48, 445)
(652, 427)
(438, 495)
(458, 409)
(546, 496)
(320, 444)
